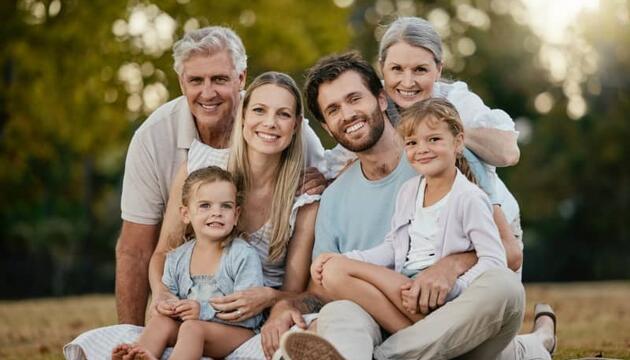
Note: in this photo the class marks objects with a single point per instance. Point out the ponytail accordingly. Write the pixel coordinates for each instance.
(464, 167)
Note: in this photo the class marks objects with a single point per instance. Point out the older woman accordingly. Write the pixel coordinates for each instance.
(410, 60)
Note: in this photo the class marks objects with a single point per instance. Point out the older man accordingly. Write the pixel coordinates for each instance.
(211, 64)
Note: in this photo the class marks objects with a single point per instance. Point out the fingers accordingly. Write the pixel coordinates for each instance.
(268, 336)
(413, 297)
(227, 299)
(298, 319)
(313, 182)
(423, 302)
(433, 299)
(234, 315)
(228, 307)
(442, 298)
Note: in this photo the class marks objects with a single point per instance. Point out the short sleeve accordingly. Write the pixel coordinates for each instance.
(472, 110)
(484, 181)
(325, 240)
(141, 200)
(168, 277)
(301, 200)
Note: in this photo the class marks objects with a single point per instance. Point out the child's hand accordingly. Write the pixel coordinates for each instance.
(318, 266)
(187, 309)
(409, 300)
(167, 307)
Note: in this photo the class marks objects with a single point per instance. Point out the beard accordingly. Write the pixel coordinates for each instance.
(376, 123)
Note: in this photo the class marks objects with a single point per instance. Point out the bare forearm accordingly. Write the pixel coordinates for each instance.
(460, 262)
(305, 303)
(156, 269)
(513, 251)
(133, 253)
(495, 147)
(132, 289)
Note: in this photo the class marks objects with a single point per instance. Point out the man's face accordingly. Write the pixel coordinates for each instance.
(353, 115)
(211, 86)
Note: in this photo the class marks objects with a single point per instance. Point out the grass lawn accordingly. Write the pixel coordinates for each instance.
(594, 320)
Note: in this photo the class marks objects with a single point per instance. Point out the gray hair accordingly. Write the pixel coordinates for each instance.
(207, 41)
(414, 31)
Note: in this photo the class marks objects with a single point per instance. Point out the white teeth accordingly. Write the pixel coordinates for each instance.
(408, 92)
(355, 127)
(209, 107)
(267, 136)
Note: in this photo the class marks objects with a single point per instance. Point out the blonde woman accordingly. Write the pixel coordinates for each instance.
(266, 157)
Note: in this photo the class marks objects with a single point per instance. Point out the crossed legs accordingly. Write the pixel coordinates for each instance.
(373, 287)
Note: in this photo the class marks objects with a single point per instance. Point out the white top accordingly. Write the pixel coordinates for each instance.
(423, 232)
(157, 150)
(201, 155)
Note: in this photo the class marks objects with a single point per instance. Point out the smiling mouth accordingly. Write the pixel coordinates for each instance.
(425, 160)
(209, 107)
(215, 224)
(267, 137)
(408, 93)
(355, 127)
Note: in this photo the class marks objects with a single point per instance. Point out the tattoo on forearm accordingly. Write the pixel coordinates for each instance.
(309, 303)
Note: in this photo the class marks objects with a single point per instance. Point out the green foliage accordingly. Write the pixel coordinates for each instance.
(66, 118)
(68, 108)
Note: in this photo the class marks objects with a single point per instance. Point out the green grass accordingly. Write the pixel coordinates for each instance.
(593, 320)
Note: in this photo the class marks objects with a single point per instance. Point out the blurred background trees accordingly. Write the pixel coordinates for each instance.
(77, 78)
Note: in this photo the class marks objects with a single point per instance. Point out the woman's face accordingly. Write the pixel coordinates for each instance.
(269, 119)
(409, 73)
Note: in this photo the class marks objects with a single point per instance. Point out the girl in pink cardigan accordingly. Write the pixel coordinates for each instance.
(437, 213)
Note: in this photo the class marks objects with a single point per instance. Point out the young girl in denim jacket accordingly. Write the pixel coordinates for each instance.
(216, 262)
(437, 213)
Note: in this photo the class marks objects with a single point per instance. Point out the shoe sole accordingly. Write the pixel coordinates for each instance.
(307, 346)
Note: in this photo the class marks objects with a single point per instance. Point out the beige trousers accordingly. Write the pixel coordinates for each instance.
(479, 324)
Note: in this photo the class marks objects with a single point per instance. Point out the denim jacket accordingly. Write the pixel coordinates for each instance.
(239, 269)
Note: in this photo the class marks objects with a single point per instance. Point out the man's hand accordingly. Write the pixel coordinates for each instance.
(318, 266)
(187, 309)
(282, 317)
(313, 182)
(429, 289)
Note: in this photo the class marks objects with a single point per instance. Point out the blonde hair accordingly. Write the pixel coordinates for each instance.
(288, 173)
(434, 111)
(193, 182)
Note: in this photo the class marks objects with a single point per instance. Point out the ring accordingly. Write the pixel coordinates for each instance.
(238, 312)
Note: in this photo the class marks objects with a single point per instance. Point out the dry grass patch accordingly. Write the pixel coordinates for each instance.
(594, 319)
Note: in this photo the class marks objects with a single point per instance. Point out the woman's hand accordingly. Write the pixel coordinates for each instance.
(242, 305)
(187, 309)
(318, 266)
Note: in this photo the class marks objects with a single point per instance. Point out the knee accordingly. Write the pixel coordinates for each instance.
(334, 274)
(506, 291)
(342, 309)
(162, 321)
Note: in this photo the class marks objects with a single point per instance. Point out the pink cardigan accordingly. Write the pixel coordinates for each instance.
(466, 224)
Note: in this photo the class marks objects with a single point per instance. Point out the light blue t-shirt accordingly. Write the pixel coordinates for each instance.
(354, 212)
